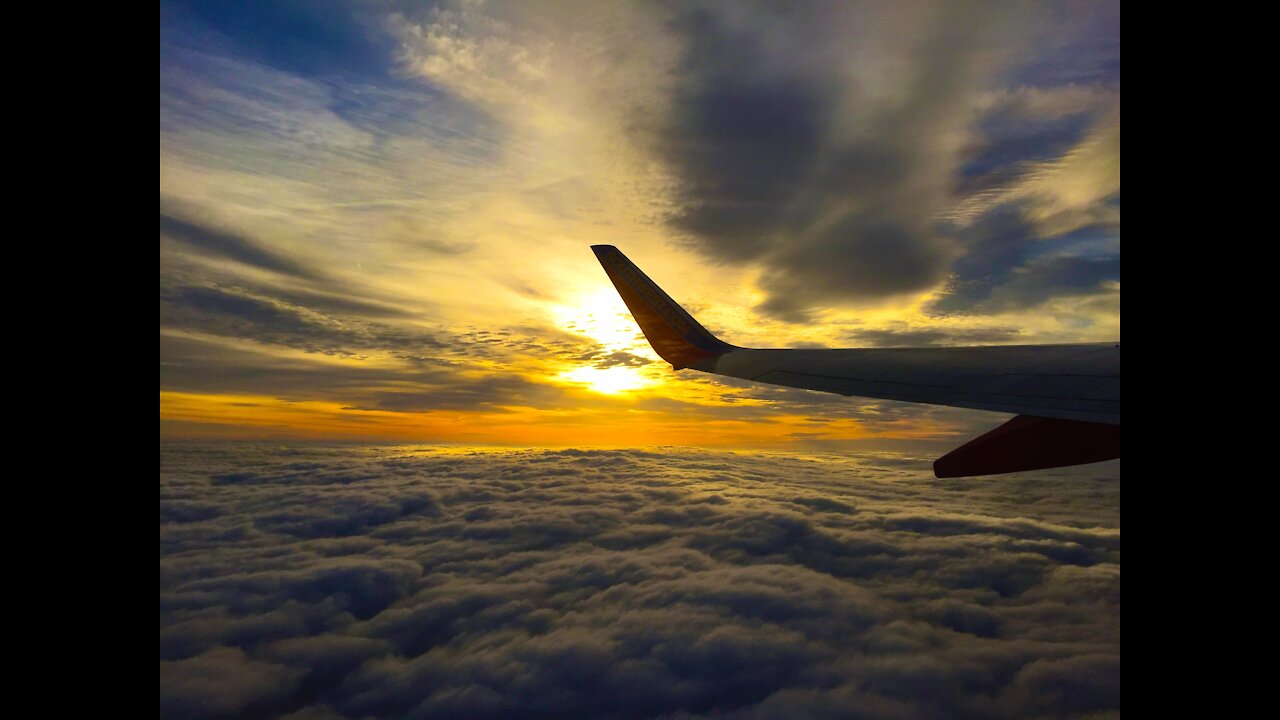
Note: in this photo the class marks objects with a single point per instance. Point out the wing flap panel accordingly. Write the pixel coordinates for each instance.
(1031, 443)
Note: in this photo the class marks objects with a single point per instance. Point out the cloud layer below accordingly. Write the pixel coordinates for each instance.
(362, 581)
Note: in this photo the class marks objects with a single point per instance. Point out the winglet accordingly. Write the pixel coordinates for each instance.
(672, 332)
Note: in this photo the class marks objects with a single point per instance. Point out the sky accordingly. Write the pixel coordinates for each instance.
(320, 583)
(375, 217)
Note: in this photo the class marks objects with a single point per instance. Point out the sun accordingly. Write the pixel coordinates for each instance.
(609, 381)
(602, 317)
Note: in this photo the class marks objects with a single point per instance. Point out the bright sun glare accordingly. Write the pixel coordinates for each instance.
(604, 318)
(609, 381)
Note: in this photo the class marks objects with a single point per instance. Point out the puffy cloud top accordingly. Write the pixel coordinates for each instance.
(358, 582)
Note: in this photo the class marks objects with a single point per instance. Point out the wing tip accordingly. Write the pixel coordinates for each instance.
(672, 332)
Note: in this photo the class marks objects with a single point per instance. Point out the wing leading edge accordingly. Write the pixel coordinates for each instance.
(1066, 397)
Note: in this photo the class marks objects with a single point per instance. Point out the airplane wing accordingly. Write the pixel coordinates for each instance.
(1066, 397)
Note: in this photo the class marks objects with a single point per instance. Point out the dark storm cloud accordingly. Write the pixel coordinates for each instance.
(231, 245)
(1010, 139)
(181, 270)
(334, 303)
(273, 320)
(355, 582)
(1048, 278)
(743, 143)
(765, 177)
(253, 312)
(786, 157)
(317, 322)
(1003, 272)
(196, 365)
